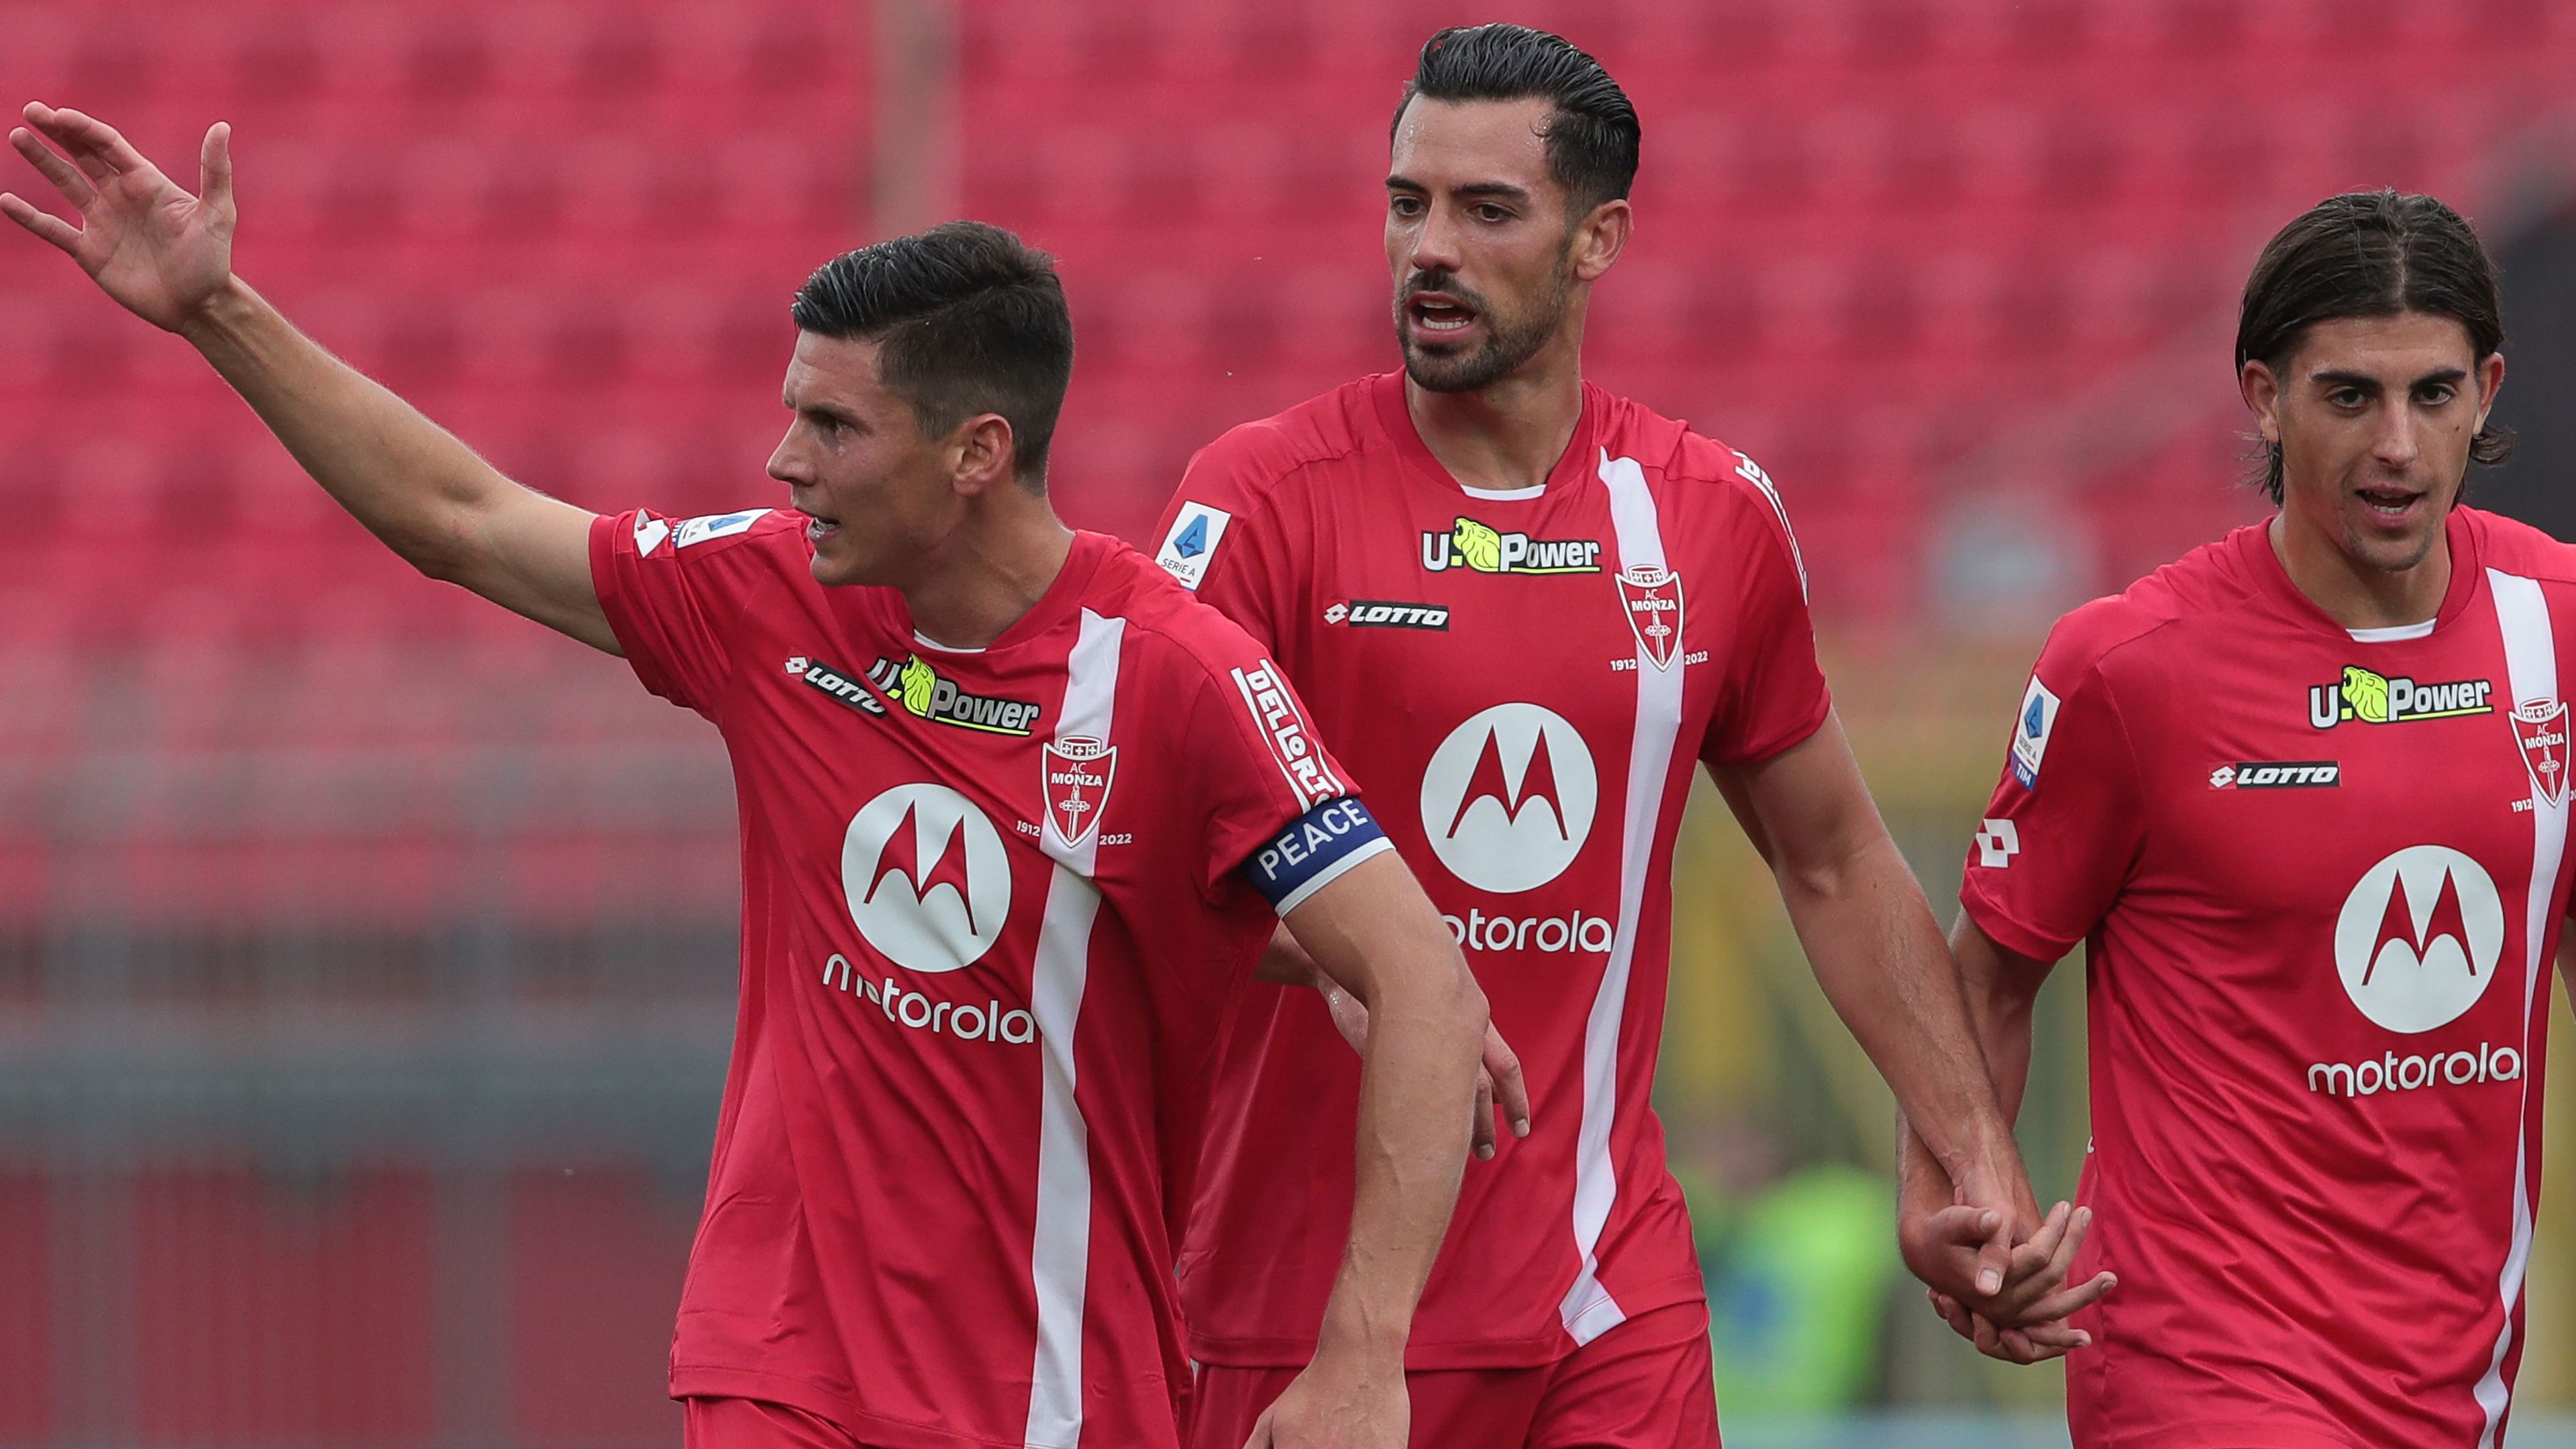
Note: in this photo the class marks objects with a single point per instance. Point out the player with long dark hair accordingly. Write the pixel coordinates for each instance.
(2303, 796)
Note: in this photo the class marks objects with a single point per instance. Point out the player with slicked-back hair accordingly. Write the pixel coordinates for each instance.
(1019, 820)
(1529, 609)
(967, 319)
(2302, 794)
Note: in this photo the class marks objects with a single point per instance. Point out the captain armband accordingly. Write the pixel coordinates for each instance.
(1313, 852)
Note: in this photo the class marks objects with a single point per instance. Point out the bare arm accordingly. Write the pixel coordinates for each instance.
(2022, 1320)
(1500, 1086)
(1375, 934)
(167, 257)
(1870, 938)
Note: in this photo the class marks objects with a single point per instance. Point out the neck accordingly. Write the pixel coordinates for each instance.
(1508, 434)
(2352, 593)
(990, 572)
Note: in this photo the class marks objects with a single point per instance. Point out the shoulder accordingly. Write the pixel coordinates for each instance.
(1686, 466)
(1167, 631)
(2512, 546)
(760, 531)
(1256, 457)
(2129, 629)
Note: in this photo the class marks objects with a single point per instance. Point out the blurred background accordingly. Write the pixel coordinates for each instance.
(367, 955)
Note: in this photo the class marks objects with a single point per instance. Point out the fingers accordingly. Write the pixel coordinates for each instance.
(2059, 1305)
(2052, 1232)
(1994, 1258)
(74, 186)
(1481, 1134)
(1961, 1225)
(215, 168)
(46, 227)
(1503, 1065)
(95, 146)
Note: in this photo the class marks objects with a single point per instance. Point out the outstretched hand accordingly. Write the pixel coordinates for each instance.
(160, 252)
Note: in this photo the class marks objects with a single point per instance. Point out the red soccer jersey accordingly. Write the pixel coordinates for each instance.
(2320, 875)
(1521, 681)
(992, 919)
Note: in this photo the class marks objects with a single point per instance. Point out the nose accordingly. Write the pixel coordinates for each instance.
(785, 464)
(1435, 241)
(2394, 443)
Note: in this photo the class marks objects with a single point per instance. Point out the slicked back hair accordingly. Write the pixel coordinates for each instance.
(2370, 254)
(1591, 138)
(967, 319)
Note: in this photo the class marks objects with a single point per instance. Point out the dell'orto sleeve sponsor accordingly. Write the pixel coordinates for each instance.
(1313, 852)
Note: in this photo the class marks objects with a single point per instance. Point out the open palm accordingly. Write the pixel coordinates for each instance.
(157, 250)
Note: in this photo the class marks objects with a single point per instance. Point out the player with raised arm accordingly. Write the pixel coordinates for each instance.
(1526, 609)
(2303, 796)
(1012, 803)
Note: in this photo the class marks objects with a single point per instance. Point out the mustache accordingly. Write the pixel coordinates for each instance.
(1441, 281)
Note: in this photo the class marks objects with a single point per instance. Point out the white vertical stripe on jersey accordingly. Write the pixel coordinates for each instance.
(1060, 1259)
(2531, 674)
(1588, 1311)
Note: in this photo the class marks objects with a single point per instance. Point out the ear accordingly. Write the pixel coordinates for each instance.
(1600, 237)
(2261, 389)
(985, 454)
(2490, 382)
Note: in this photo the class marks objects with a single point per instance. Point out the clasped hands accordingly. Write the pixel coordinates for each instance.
(1995, 1276)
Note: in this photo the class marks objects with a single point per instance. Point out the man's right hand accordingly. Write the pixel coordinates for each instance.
(2019, 1314)
(160, 252)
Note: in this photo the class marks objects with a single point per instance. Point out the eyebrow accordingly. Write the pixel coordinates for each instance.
(828, 410)
(1503, 190)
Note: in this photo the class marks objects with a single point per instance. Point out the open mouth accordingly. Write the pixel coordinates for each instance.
(818, 529)
(2389, 505)
(1435, 314)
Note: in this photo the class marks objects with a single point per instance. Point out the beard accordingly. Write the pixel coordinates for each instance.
(1509, 340)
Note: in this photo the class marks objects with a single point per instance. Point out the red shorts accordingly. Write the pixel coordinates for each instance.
(1646, 1384)
(755, 1424)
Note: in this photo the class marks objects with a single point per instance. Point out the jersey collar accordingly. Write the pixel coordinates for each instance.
(1055, 606)
(2262, 567)
(1574, 467)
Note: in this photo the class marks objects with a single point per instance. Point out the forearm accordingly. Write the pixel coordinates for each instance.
(409, 481)
(1869, 936)
(1417, 1085)
(1999, 1002)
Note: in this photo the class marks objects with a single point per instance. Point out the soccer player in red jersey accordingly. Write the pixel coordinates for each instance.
(1012, 803)
(2303, 796)
(1524, 609)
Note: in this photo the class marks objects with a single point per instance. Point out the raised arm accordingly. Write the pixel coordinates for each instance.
(1375, 934)
(166, 256)
(1871, 941)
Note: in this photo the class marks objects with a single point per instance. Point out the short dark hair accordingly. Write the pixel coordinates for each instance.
(968, 319)
(2370, 254)
(1591, 139)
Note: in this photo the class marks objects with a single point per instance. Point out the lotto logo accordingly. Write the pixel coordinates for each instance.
(1997, 844)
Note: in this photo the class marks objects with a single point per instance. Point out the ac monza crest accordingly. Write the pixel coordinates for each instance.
(2540, 728)
(1079, 770)
(1653, 599)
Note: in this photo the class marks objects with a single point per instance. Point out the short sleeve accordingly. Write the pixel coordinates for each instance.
(1774, 696)
(1257, 766)
(2066, 821)
(1217, 537)
(672, 590)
